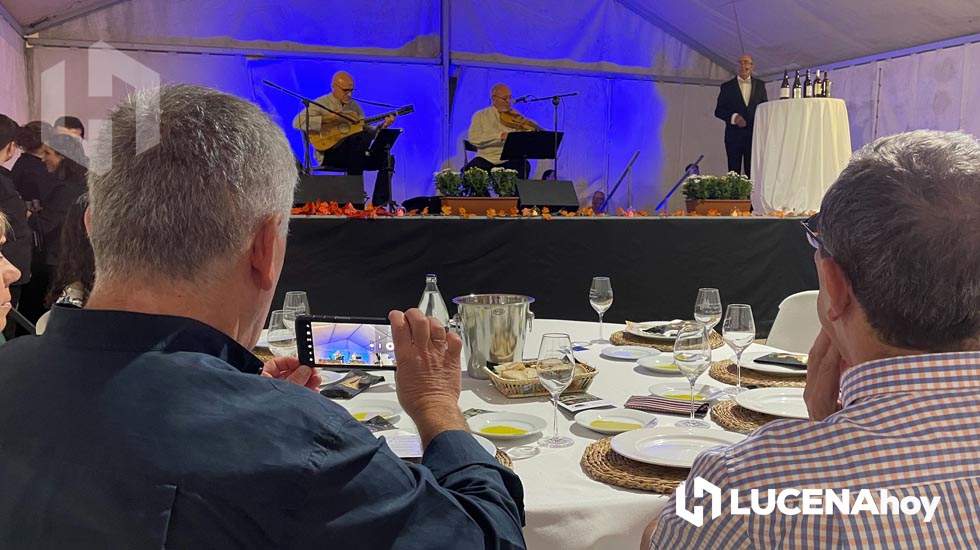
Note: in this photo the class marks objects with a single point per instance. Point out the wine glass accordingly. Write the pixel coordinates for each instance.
(556, 368)
(692, 355)
(707, 308)
(738, 330)
(297, 303)
(601, 298)
(282, 337)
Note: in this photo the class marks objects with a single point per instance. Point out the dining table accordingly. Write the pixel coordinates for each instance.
(565, 509)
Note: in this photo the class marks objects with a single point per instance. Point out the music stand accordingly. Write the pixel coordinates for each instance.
(380, 148)
(531, 145)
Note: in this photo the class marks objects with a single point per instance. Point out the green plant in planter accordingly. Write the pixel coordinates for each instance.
(476, 183)
(504, 181)
(449, 183)
(731, 186)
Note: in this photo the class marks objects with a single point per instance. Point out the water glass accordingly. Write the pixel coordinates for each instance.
(556, 368)
(738, 331)
(282, 337)
(707, 308)
(601, 298)
(692, 355)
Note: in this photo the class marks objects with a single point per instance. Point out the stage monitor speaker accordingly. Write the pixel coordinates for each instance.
(556, 195)
(339, 189)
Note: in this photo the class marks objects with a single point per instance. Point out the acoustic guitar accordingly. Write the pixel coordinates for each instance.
(331, 133)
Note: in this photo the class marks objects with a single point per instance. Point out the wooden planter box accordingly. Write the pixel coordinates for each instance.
(479, 205)
(724, 206)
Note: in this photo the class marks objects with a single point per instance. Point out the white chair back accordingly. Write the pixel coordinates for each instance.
(796, 325)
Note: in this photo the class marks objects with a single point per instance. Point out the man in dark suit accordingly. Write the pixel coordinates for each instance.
(737, 101)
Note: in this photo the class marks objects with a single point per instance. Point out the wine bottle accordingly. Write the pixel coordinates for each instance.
(432, 304)
(826, 84)
(784, 87)
(797, 90)
(818, 86)
(807, 85)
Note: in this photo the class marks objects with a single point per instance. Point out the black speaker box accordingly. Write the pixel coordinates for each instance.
(339, 189)
(556, 195)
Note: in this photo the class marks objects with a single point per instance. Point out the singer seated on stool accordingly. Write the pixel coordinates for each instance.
(489, 128)
(350, 153)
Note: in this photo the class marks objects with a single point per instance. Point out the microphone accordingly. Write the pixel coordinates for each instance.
(523, 98)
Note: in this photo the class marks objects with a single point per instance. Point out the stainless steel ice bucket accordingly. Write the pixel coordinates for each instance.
(493, 328)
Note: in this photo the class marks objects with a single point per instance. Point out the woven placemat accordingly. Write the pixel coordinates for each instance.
(735, 418)
(505, 460)
(603, 464)
(623, 338)
(724, 371)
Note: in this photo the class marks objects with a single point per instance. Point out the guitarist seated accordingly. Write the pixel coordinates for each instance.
(349, 152)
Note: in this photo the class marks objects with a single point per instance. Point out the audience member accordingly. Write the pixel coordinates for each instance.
(151, 424)
(74, 275)
(65, 159)
(893, 380)
(31, 177)
(599, 202)
(8, 274)
(19, 239)
(71, 126)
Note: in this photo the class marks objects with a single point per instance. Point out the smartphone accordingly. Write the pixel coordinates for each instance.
(345, 342)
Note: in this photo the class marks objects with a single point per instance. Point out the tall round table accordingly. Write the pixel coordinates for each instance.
(799, 147)
(565, 509)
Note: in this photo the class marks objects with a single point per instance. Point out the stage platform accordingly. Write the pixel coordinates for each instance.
(369, 266)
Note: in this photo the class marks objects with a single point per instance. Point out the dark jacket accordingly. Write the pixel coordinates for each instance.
(730, 102)
(51, 218)
(31, 177)
(19, 243)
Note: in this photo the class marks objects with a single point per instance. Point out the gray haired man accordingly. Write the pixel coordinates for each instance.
(893, 380)
(144, 421)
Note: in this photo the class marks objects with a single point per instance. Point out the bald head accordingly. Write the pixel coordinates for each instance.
(342, 86)
(500, 97)
(745, 66)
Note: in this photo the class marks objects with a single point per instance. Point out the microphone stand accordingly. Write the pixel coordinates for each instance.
(307, 169)
(690, 170)
(555, 100)
(375, 103)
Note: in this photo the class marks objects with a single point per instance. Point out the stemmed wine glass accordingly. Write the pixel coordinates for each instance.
(707, 308)
(282, 337)
(692, 355)
(601, 298)
(556, 368)
(738, 330)
(296, 303)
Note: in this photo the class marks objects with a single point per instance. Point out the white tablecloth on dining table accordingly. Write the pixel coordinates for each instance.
(565, 509)
(799, 147)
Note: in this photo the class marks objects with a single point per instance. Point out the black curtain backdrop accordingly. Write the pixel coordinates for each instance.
(367, 267)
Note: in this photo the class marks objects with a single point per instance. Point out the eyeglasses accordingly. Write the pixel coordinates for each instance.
(813, 237)
(503, 97)
(346, 90)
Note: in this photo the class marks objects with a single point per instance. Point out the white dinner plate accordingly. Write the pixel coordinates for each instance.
(627, 353)
(638, 329)
(329, 376)
(785, 402)
(487, 445)
(681, 391)
(365, 409)
(662, 363)
(506, 425)
(748, 361)
(670, 446)
(263, 341)
(614, 421)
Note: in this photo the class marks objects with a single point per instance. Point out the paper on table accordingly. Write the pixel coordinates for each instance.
(580, 401)
(404, 445)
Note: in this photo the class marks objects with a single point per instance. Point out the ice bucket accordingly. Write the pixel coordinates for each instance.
(493, 328)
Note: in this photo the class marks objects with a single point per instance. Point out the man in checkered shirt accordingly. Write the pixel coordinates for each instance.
(893, 381)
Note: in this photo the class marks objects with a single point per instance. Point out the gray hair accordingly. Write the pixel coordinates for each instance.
(221, 167)
(903, 222)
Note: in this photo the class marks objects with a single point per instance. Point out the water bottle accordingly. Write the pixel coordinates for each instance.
(432, 304)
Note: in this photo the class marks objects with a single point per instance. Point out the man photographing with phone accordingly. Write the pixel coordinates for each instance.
(143, 420)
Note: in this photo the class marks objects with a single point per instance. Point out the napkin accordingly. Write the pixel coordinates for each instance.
(657, 404)
(354, 383)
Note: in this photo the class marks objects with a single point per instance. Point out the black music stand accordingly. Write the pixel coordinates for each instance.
(380, 149)
(531, 145)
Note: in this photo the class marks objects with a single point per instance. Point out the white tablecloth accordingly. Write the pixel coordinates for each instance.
(565, 509)
(799, 147)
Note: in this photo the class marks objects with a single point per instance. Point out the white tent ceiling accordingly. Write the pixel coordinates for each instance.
(781, 34)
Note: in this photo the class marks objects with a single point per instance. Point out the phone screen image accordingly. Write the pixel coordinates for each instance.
(352, 344)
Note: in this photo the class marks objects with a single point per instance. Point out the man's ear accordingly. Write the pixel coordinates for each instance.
(834, 282)
(263, 255)
(87, 218)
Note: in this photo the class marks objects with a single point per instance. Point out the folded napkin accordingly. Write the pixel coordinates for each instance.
(657, 404)
(354, 383)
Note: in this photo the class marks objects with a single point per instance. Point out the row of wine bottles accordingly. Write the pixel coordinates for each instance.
(819, 87)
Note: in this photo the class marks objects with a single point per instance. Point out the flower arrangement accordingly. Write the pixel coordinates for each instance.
(504, 181)
(731, 186)
(476, 183)
(449, 183)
